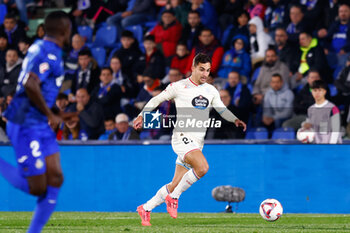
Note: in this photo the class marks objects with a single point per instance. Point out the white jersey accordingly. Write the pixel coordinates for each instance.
(193, 104)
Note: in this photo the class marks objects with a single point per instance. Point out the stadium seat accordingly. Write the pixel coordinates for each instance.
(137, 30)
(283, 133)
(111, 54)
(150, 25)
(99, 53)
(3, 12)
(257, 133)
(225, 34)
(86, 32)
(332, 89)
(106, 36)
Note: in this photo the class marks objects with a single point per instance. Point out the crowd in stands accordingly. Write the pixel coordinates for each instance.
(265, 54)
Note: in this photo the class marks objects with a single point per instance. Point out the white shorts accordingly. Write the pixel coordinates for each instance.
(183, 144)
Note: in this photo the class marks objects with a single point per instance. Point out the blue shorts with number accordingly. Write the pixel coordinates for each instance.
(31, 146)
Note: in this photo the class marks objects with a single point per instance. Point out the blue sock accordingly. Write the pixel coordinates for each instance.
(11, 174)
(44, 208)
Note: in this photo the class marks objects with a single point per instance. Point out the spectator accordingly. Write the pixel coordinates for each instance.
(40, 32)
(109, 129)
(71, 62)
(123, 131)
(303, 100)
(61, 103)
(256, 9)
(180, 60)
(108, 93)
(90, 114)
(323, 116)
(313, 12)
(239, 28)
(271, 65)
(152, 59)
(230, 12)
(311, 56)
(12, 30)
(8, 82)
(127, 84)
(191, 31)
(337, 37)
(210, 46)
(23, 46)
(145, 94)
(129, 53)
(180, 8)
(241, 99)
(297, 23)
(207, 13)
(3, 49)
(86, 76)
(167, 33)
(287, 51)
(236, 59)
(259, 40)
(137, 12)
(275, 15)
(173, 75)
(342, 84)
(73, 131)
(278, 103)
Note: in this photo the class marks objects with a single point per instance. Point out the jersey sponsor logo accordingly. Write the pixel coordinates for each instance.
(200, 102)
(43, 67)
(151, 120)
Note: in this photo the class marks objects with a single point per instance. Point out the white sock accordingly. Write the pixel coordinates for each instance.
(187, 180)
(157, 199)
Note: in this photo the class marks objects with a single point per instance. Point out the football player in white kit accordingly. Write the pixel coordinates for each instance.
(191, 95)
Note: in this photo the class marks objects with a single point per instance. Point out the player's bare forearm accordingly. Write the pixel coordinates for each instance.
(33, 90)
(138, 123)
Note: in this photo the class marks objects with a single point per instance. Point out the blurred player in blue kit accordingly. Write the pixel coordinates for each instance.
(31, 121)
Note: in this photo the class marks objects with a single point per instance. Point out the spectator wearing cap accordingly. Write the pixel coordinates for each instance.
(3, 49)
(310, 56)
(145, 94)
(87, 74)
(129, 53)
(123, 131)
(23, 46)
(152, 59)
(108, 93)
(337, 37)
(210, 46)
(236, 59)
(259, 40)
(12, 30)
(167, 33)
(180, 60)
(9, 77)
(190, 32)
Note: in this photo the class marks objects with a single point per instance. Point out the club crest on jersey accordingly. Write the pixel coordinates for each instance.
(200, 102)
(43, 67)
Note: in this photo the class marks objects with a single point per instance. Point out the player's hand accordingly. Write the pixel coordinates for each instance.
(138, 123)
(54, 121)
(240, 123)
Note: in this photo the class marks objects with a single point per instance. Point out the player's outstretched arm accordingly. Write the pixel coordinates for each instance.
(32, 88)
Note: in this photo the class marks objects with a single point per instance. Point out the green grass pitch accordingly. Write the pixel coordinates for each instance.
(186, 222)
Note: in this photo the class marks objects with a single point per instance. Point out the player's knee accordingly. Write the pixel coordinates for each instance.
(202, 170)
(56, 180)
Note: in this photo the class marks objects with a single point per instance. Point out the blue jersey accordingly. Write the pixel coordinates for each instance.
(44, 58)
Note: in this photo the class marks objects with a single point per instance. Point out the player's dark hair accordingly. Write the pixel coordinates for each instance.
(54, 22)
(319, 84)
(107, 68)
(85, 52)
(201, 58)
(62, 96)
(277, 75)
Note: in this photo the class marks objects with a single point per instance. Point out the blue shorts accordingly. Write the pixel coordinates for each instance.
(31, 146)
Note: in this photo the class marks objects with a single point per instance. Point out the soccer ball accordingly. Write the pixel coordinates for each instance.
(306, 135)
(271, 210)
